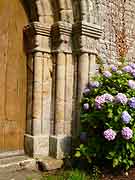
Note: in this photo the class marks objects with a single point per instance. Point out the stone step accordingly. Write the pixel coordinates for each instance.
(17, 163)
(49, 164)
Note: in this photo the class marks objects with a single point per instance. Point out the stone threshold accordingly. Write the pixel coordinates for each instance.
(16, 163)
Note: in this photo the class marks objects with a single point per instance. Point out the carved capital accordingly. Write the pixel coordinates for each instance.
(85, 36)
(62, 37)
(37, 36)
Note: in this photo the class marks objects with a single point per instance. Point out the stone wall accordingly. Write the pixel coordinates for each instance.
(107, 44)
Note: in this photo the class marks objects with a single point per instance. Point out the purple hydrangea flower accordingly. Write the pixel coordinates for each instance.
(108, 97)
(127, 133)
(131, 84)
(133, 74)
(121, 98)
(113, 68)
(132, 65)
(126, 117)
(107, 74)
(86, 106)
(109, 134)
(86, 91)
(99, 101)
(132, 102)
(94, 84)
(127, 69)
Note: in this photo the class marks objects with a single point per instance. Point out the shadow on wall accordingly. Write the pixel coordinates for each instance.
(30, 9)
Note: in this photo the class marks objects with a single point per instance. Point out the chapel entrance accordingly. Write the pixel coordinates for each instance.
(13, 78)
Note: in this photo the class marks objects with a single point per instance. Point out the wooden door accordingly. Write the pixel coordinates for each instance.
(12, 76)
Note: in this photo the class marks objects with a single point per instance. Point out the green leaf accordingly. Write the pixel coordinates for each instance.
(112, 154)
(127, 146)
(77, 154)
(115, 162)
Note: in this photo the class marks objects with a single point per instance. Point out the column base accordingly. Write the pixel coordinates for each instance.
(36, 146)
(59, 146)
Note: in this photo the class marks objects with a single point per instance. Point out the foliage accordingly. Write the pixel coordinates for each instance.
(107, 134)
(71, 175)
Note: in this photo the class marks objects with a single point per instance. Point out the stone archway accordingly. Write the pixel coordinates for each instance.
(61, 51)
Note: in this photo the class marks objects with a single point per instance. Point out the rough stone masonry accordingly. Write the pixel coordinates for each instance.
(110, 12)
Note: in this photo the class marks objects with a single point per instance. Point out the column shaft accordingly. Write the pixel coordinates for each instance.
(37, 94)
(92, 65)
(69, 94)
(60, 95)
(47, 94)
(83, 72)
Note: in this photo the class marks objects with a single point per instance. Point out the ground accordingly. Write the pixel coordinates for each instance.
(20, 175)
(34, 174)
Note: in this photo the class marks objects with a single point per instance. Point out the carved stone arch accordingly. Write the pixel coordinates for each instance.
(40, 10)
(31, 9)
(49, 11)
(76, 10)
(95, 13)
(66, 10)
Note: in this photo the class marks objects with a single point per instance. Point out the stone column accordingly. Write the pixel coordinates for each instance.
(60, 141)
(85, 36)
(47, 93)
(69, 86)
(83, 72)
(37, 137)
(60, 94)
(92, 65)
(37, 94)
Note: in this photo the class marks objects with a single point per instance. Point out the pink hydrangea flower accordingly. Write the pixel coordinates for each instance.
(127, 133)
(109, 134)
(108, 97)
(99, 101)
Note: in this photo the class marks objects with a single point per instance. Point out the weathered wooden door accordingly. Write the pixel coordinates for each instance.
(12, 76)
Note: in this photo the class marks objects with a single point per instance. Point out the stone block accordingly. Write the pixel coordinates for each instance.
(37, 146)
(59, 146)
(49, 164)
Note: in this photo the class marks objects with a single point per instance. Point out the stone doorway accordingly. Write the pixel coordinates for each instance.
(13, 78)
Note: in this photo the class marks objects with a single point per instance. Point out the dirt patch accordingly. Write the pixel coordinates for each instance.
(122, 176)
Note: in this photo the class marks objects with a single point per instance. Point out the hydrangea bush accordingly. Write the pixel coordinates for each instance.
(108, 118)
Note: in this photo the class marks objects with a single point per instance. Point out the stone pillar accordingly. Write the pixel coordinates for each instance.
(37, 134)
(47, 93)
(85, 36)
(92, 65)
(37, 94)
(83, 72)
(60, 141)
(69, 86)
(60, 94)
